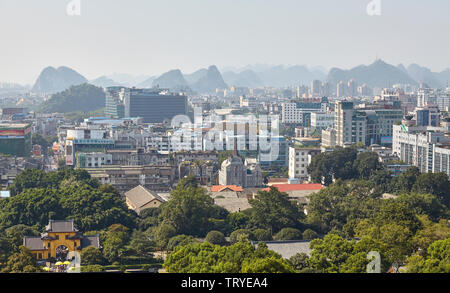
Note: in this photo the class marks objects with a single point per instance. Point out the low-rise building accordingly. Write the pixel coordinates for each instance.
(154, 178)
(140, 198)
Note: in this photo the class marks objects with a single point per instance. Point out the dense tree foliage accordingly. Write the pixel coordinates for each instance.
(273, 210)
(340, 204)
(84, 97)
(66, 194)
(22, 262)
(288, 234)
(338, 164)
(91, 256)
(437, 259)
(241, 257)
(334, 254)
(191, 211)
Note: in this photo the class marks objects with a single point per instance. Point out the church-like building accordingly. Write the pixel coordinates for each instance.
(244, 174)
(59, 239)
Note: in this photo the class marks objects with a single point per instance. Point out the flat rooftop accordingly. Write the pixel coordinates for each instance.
(14, 125)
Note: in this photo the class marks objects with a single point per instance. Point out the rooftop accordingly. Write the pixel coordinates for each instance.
(295, 187)
(220, 188)
(140, 196)
(61, 226)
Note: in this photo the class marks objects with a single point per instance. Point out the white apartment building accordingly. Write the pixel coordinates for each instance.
(427, 148)
(292, 113)
(299, 160)
(329, 138)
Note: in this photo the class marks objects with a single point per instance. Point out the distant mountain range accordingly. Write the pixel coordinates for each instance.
(53, 80)
(207, 80)
(378, 74)
(425, 75)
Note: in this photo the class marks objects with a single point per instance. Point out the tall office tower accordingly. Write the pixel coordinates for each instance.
(326, 89)
(153, 105)
(352, 87)
(428, 116)
(316, 88)
(350, 124)
(364, 90)
(115, 107)
(341, 89)
(302, 91)
(426, 97)
(443, 100)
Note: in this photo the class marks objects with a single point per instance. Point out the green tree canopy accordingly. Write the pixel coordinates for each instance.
(216, 237)
(241, 257)
(289, 234)
(273, 210)
(191, 210)
(22, 262)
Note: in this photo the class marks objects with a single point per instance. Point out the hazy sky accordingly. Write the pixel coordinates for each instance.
(153, 36)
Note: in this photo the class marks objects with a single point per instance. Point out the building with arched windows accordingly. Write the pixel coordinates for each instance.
(59, 239)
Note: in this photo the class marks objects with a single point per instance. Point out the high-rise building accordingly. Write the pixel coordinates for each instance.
(15, 139)
(316, 88)
(341, 89)
(426, 97)
(425, 147)
(115, 107)
(428, 116)
(350, 124)
(371, 125)
(154, 106)
(352, 88)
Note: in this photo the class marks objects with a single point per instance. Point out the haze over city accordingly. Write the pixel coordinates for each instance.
(152, 37)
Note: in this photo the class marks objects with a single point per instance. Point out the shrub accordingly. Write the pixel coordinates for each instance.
(309, 234)
(289, 234)
(92, 269)
(239, 234)
(180, 240)
(91, 256)
(216, 237)
(262, 235)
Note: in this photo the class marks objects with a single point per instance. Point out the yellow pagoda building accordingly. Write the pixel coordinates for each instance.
(59, 239)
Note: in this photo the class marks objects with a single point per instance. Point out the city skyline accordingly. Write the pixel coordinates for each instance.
(194, 35)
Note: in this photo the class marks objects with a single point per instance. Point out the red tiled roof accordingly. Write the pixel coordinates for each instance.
(295, 187)
(220, 188)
